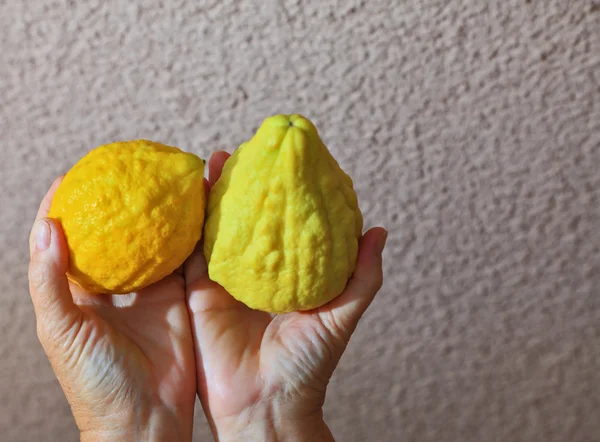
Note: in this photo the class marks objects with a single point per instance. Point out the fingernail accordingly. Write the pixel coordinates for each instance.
(381, 242)
(42, 235)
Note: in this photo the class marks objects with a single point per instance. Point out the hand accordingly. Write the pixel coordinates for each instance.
(125, 363)
(264, 377)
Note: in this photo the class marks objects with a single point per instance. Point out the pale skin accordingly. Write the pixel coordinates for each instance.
(131, 366)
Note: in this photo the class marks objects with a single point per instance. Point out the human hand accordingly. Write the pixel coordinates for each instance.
(125, 363)
(264, 377)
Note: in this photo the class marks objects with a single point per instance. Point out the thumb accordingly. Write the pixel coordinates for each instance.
(344, 312)
(48, 284)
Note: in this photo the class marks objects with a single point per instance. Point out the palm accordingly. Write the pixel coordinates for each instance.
(251, 355)
(137, 347)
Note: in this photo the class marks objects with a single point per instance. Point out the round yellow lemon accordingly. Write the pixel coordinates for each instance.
(283, 221)
(132, 212)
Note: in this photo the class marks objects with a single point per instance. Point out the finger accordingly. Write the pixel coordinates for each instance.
(206, 189)
(346, 310)
(215, 166)
(48, 284)
(82, 297)
(195, 266)
(47, 201)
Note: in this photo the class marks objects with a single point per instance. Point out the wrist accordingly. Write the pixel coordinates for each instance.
(267, 423)
(153, 426)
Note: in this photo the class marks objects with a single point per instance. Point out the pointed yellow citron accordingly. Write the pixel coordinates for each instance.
(283, 221)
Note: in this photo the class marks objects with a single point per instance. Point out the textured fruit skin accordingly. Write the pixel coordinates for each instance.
(283, 221)
(132, 212)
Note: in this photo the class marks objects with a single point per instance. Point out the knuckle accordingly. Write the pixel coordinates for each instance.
(54, 335)
(376, 281)
(42, 335)
(39, 274)
(339, 327)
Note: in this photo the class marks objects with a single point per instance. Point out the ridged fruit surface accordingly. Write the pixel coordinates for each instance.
(283, 221)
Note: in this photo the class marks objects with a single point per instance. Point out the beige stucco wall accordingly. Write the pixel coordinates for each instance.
(471, 129)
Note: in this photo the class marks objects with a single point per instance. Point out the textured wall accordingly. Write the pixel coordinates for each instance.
(472, 129)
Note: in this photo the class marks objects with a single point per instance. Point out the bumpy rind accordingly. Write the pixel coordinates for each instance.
(132, 212)
(283, 221)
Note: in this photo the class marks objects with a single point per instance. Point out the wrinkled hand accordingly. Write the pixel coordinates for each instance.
(262, 377)
(125, 363)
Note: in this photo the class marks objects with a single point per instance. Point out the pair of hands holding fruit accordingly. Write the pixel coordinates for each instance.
(131, 365)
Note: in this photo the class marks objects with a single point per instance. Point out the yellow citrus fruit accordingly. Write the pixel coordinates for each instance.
(132, 212)
(283, 221)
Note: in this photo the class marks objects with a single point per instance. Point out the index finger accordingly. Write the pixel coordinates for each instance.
(215, 166)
